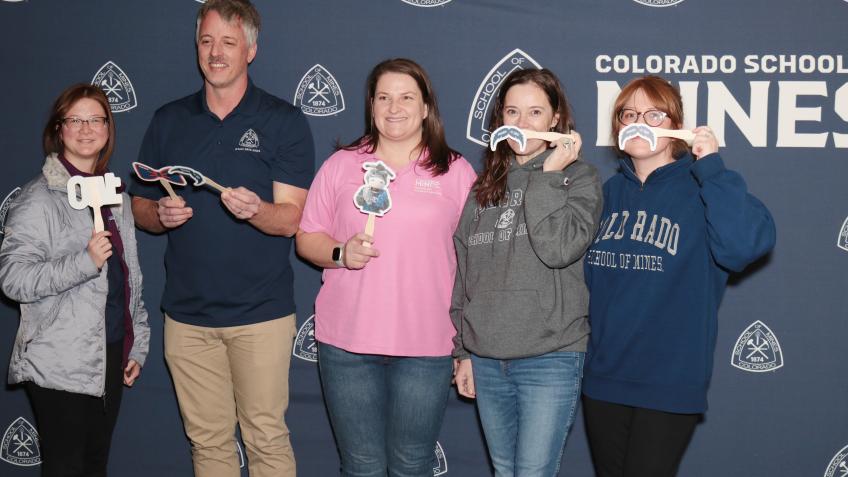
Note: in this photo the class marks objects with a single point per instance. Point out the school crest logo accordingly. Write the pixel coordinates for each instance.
(318, 93)
(249, 141)
(838, 466)
(305, 346)
(441, 463)
(842, 239)
(757, 350)
(426, 3)
(658, 3)
(4, 210)
(20, 444)
(117, 86)
(505, 220)
(478, 117)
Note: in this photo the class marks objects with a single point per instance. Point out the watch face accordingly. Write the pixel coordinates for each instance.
(337, 253)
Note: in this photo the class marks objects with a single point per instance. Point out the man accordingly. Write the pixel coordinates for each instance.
(228, 301)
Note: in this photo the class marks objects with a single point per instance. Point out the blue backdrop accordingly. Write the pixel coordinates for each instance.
(770, 77)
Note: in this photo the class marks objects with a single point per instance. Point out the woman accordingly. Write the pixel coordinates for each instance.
(519, 301)
(673, 227)
(382, 315)
(83, 327)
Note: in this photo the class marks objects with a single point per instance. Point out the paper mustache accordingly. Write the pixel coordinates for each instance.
(522, 135)
(651, 134)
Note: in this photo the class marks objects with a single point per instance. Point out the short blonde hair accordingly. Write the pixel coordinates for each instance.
(232, 10)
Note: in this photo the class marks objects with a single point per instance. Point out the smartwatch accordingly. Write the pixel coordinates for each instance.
(338, 255)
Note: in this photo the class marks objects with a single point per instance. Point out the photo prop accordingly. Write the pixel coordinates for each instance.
(94, 192)
(373, 198)
(149, 174)
(651, 134)
(197, 178)
(521, 136)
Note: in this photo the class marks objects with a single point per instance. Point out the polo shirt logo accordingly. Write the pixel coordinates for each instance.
(249, 141)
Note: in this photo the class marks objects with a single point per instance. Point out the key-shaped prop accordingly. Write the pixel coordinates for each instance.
(94, 192)
(521, 136)
(149, 174)
(373, 197)
(197, 178)
(651, 134)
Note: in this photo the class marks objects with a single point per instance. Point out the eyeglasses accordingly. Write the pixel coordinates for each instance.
(96, 123)
(652, 117)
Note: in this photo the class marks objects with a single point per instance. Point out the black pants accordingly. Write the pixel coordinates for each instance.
(75, 430)
(630, 441)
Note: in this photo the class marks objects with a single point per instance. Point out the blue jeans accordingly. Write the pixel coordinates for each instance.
(386, 411)
(527, 407)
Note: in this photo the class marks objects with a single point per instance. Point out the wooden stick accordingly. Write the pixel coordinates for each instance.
(549, 136)
(167, 186)
(214, 184)
(98, 219)
(683, 134)
(369, 228)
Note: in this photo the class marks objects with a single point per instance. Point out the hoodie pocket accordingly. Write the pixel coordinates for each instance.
(504, 321)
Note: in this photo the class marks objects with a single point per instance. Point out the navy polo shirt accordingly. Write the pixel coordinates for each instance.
(221, 271)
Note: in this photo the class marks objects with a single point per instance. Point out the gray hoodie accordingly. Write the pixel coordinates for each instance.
(519, 288)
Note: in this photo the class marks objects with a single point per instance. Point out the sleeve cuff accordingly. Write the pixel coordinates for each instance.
(707, 166)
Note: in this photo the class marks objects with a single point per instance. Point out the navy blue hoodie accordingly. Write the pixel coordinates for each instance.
(656, 273)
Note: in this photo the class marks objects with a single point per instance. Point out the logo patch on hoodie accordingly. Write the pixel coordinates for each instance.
(757, 350)
(505, 220)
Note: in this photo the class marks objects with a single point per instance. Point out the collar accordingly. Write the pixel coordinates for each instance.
(57, 171)
(248, 104)
(56, 174)
(678, 167)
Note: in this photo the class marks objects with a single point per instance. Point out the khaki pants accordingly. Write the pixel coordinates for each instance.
(228, 375)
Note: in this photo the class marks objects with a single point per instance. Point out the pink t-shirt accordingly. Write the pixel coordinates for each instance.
(397, 305)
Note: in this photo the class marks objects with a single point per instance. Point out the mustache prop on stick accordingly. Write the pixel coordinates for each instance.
(521, 136)
(651, 134)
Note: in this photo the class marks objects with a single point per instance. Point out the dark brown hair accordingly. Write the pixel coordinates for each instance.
(663, 96)
(490, 186)
(440, 155)
(52, 139)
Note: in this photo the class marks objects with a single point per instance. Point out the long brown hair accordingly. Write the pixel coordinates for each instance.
(52, 139)
(664, 97)
(440, 155)
(490, 186)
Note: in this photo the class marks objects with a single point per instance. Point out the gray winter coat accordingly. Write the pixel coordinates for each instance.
(44, 265)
